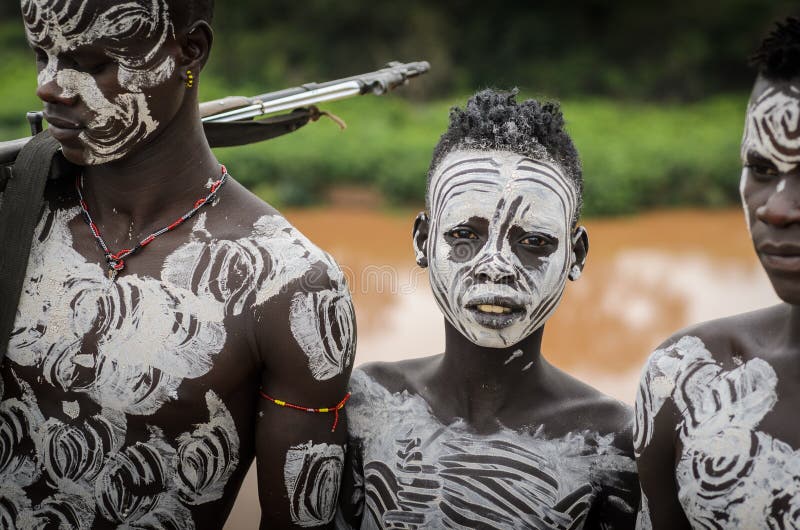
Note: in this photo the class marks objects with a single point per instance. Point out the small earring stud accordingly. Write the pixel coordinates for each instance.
(189, 79)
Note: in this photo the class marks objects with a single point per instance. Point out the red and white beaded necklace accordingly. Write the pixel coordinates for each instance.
(116, 262)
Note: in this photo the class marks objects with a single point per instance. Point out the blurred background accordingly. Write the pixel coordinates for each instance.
(654, 98)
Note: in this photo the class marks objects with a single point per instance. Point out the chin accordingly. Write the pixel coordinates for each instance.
(494, 338)
(787, 289)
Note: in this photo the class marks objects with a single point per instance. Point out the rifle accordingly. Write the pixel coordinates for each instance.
(233, 120)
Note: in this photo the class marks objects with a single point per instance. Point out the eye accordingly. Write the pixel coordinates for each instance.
(462, 232)
(536, 240)
(762, 171)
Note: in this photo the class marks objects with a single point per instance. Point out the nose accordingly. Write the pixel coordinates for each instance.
(49, 91)
(494, 268)
(783, 205)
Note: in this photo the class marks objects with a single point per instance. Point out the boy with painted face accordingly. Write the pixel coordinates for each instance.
(129, 395)
(489, 434)
(716, 433)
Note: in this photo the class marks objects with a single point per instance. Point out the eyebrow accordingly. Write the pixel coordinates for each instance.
(754, 157)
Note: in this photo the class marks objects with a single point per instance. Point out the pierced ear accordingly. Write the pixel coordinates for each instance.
(580, 249)
(420, 237)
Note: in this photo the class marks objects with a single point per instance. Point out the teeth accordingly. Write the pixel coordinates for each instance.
(487, 308)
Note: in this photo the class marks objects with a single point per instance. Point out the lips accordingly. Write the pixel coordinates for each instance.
(780, 256)
(63, 129)
(495, 312)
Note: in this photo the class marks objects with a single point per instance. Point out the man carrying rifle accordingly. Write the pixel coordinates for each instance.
(171, 325)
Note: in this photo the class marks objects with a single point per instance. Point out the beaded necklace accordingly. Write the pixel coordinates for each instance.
(116, 262)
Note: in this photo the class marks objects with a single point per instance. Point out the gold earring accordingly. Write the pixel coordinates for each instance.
(189, 79)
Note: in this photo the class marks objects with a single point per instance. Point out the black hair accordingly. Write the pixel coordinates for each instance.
(493, 119)
(184, 13)
(778, 57)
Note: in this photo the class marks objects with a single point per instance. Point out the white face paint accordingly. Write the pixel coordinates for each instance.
(117, 122)
(513, 197)
(726, 466)
(419, 473)
(772, 127)
(313, 473)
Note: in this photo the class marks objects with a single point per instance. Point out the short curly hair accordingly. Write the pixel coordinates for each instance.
(186, 12)
(493, 119)
(778, 57)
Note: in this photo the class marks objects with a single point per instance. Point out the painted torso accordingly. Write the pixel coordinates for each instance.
(132, 404)
(730, 471)
(420, 473)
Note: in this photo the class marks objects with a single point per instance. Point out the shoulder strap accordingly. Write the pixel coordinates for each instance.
(19, 214)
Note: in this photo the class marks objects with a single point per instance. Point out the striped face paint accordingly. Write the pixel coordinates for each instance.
(500, 247)
(132, 35)
(772, 127)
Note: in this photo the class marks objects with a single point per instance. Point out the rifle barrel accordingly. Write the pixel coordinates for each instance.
(379, 82)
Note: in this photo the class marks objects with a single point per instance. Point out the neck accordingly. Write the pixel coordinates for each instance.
(794, 327)
(159, 181)
(481, 381)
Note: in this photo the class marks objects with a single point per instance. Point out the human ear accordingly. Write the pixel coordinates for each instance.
(580, 249)
(420, 237)
(195, 43)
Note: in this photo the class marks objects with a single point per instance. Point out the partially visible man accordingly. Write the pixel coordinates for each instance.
(169, 319)
(716, 434)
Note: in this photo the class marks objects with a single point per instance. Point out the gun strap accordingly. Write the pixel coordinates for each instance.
(19, 214)
(227, 134)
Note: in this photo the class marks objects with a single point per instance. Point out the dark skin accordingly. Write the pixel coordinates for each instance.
(475, 383)
(772, 334)
(153, 184)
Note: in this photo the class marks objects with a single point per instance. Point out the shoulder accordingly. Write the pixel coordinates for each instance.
(399, 376)
(595, 411)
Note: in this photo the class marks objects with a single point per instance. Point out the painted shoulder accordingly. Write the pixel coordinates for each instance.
(700, 360)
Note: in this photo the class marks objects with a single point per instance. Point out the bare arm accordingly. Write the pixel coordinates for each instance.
(307, 341)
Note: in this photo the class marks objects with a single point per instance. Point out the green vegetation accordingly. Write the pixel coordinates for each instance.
(636, 154)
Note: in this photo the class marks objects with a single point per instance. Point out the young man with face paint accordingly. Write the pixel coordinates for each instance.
(489, 434)
(716, 433)
(138, 387)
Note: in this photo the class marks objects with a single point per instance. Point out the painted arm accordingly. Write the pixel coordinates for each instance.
(655, 433)
(307, 341)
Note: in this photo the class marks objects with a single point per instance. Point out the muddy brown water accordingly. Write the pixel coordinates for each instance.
(646, 277)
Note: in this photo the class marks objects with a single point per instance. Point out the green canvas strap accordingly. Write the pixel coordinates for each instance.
(19, 214)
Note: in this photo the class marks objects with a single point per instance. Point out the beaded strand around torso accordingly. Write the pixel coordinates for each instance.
(116, 261)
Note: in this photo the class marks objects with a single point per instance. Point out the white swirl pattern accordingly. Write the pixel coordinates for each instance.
(126, 348)
(729, 475)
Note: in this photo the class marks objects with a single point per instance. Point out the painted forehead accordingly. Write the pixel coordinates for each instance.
(532, 185)
(772, 127)
(68, 24)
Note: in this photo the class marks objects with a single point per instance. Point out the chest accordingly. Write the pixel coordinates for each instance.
(452, 478)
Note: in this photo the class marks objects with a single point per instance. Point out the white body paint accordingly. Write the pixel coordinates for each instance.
(149, 336)
(514, 355)
(323, 324)
(420, 473)
(729, 474)
(120, 123)
(312, 473)
(508, 191)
